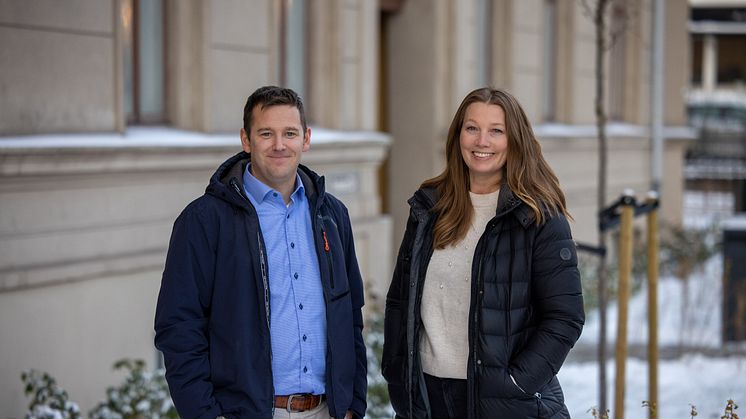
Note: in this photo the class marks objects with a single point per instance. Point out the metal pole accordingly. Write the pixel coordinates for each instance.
(652, 221)
(659, 26)
(625, 271)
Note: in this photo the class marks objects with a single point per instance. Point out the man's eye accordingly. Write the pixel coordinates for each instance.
(291, 134)
(265, 134)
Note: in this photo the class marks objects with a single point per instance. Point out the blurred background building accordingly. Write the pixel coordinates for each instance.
(716, 163)
(113, 114)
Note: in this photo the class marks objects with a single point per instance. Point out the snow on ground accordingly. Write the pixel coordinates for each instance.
(706, 383)
(693, 379)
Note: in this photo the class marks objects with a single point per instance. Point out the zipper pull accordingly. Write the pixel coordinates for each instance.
(326, 242)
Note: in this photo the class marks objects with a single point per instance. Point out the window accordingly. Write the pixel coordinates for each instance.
(550, 68)
(144, 60)
(484, 44)
(697, 42)
(293, 29)
(731, 61)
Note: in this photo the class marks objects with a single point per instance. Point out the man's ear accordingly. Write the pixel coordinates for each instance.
(245, 143)
(307, 140)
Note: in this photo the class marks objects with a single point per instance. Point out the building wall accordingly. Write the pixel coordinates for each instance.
(59, 67)
(84, 228)
(85, 218)
(75, 332)
(422, 71)
(83, 237)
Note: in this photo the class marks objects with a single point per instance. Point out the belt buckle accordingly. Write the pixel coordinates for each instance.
(290, 402)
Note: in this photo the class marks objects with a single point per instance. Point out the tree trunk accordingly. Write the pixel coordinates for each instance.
(599, 19)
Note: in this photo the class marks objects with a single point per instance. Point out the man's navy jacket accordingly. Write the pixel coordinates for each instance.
(212, 318)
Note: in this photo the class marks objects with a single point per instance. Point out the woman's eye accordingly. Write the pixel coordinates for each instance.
(496, 131)
(471, 128)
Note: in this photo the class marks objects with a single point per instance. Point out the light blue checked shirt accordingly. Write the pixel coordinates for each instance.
(297, 307)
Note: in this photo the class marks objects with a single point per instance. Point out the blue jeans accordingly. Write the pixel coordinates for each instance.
(447, 396)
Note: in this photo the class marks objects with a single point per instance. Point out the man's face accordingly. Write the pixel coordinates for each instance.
(276, 142)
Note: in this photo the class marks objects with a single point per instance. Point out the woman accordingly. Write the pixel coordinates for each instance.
(485, 301)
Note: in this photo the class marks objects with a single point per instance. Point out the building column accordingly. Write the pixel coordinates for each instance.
(432, 64)
(709, 62)
(343, 76)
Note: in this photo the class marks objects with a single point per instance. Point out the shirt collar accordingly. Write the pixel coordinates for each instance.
(259, 191)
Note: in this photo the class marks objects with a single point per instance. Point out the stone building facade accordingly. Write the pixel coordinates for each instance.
(113, 114)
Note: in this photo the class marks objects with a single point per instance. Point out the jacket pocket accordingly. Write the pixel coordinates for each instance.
(551, 400)
(333, 255)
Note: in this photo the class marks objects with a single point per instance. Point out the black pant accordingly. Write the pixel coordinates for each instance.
(447, 397)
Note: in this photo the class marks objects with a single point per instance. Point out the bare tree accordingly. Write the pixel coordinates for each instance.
(597, 11)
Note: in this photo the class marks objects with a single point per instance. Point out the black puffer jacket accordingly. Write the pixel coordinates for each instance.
(526, 313)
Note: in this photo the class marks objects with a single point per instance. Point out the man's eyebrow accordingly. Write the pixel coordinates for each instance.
(289, 128)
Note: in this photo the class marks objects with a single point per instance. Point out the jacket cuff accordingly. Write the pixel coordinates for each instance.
(358, 407)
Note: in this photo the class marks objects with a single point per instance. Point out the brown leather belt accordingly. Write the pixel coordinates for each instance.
(299, 402)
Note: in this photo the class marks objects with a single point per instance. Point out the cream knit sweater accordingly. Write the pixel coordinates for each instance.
(446, 296)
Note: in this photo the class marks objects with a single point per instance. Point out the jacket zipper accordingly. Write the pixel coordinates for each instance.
(475, 329)
(327, 298)
(265, 283)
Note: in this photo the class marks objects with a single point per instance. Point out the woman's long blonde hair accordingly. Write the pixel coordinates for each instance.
(528, 175)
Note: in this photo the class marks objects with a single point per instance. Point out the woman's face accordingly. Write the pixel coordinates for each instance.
(484, 145)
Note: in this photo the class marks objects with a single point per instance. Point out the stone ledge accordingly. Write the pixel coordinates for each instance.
(165, 149)
(96, 267)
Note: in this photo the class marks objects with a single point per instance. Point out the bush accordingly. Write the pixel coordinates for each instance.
(144, 394)
(682, 251)
(49, 400)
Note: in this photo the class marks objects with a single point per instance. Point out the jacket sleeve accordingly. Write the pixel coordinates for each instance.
(357, 293)
(557, 300)
(181, 317)
(394, 359)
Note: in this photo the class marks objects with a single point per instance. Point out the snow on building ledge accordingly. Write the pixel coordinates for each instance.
(613, 130)
(164, 148)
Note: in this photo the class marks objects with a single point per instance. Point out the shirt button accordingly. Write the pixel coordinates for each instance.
(274, 194)
(292, 245)
(288, 216)
(304, 338)
(305, 369)
(295, 275)
(300, 306)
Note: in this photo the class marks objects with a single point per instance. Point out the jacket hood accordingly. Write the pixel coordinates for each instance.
(227, 181)
(507, 202)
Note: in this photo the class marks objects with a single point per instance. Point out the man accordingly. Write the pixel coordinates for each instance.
(259, 313)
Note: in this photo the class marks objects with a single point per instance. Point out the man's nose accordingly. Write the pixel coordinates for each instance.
(277, 143)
